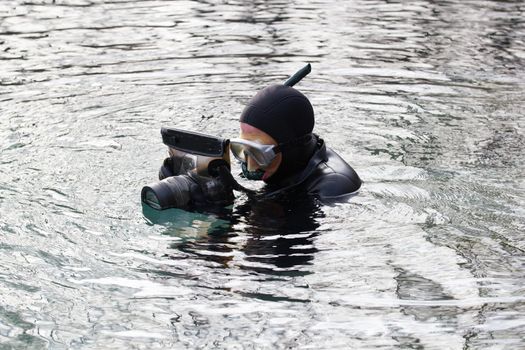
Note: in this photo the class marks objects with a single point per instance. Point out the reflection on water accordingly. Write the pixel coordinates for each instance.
(266, 236)
(281, 233)
(423, 98)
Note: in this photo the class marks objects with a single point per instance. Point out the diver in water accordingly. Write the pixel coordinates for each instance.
(276, 145)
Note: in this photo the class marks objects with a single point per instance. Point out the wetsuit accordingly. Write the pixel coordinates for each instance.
(326, 175)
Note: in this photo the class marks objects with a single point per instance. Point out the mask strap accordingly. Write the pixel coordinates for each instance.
(292, 143)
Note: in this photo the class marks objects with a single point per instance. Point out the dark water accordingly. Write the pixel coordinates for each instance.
(424, 98)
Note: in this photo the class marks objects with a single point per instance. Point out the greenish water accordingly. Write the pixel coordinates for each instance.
(424, 99)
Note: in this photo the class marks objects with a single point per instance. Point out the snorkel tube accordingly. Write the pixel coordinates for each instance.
(298, 76)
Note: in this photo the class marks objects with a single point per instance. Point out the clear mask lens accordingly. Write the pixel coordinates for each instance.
(263, 156)
(238, 151)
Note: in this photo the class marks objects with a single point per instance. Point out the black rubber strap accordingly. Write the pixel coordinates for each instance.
(293, 143)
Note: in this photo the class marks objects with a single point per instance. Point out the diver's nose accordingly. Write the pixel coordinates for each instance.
(252, 164)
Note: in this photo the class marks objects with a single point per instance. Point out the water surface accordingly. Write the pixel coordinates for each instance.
(424, 99)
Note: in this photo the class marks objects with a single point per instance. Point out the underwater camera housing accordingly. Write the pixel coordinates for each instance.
(193, 175)
(199, 153)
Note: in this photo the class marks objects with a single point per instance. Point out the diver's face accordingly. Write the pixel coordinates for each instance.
(251, 133)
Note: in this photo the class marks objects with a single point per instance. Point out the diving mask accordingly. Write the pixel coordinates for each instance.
(262, 154)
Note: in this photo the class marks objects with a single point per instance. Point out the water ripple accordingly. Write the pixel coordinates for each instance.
(423, 98)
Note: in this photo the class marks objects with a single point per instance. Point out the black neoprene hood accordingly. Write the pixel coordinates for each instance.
(285, 114)
(280, 111)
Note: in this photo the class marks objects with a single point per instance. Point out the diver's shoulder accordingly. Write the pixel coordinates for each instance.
(334, 177)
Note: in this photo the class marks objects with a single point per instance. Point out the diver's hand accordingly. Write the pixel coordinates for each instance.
(166, 170)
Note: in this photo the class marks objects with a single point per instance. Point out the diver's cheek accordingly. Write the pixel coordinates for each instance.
(266, 175)
(272, 168)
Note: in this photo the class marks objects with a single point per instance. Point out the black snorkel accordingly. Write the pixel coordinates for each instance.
(298, 76)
